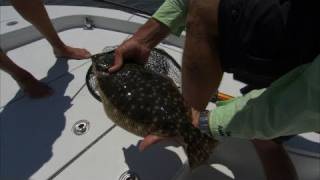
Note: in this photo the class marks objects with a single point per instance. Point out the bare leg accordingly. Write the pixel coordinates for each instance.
(201, 70)
(34, 12)
(275, 160)
(26, 81)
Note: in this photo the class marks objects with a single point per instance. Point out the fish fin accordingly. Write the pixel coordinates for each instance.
(199, 146)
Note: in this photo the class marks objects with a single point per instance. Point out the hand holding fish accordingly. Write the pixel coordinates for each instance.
(130, 49)
(153, 139)
(138, 47)
(144, 102)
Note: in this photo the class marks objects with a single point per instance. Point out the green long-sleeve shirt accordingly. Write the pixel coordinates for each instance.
(291, 105)
(173, 13)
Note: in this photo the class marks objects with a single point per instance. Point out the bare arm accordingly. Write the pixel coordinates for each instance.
(151, 33)
(141, 43)
(201, 69)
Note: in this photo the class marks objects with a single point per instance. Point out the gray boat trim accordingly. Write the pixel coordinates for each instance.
(76, 21)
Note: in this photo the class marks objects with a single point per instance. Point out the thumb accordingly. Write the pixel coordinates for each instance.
(148, 141)
(118, 61)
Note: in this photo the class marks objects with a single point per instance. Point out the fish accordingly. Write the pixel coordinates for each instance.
(145, 102)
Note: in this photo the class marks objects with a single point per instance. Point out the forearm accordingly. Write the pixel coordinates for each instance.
(257, 120)
(201, 73)
(151, 33)
(201, 68)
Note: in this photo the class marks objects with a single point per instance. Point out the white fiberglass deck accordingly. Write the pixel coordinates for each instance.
(37, 141)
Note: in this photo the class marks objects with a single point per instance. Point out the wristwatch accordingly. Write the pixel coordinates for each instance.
(204, 122)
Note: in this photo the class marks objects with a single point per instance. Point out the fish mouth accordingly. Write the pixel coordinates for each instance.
(102, 67)
(101, 70)
(102, 62)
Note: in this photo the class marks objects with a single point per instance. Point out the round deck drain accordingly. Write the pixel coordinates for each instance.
(12, 23)
(129, 175)
(81, 127)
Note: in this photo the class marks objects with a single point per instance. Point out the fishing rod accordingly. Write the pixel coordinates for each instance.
(132, 9)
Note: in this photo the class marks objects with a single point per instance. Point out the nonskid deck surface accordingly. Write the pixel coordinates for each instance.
(37, 135)
(37, 138)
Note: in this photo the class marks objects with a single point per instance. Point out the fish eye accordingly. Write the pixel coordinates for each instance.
(102, 67)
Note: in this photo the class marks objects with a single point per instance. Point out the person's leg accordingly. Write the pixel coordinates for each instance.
(34, 12)
(275, 160)
(26, 81)
(201, 69)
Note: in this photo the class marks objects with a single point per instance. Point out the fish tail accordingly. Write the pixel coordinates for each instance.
(199, 145)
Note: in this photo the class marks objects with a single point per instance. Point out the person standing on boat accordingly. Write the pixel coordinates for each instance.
(34, 12)
(258, 41)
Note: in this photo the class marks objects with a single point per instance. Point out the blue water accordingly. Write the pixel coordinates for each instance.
(146, 5)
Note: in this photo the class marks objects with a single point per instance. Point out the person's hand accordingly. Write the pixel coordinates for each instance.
(130, 49)
(138, 47)
(153, 139)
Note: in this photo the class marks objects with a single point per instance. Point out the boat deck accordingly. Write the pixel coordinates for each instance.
(37, 137)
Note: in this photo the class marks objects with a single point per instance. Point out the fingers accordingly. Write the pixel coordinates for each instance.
(86, 54)
(118, 61)
(129, 49)
(195, 115)
(148, 141)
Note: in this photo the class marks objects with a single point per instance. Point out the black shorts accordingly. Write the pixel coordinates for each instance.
(260, 40)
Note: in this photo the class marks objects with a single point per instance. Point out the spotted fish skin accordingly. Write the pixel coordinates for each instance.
(144, 102)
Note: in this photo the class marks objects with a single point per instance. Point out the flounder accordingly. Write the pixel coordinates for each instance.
(144, 102)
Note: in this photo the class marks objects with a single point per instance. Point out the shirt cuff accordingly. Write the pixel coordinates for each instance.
(222, 119)
(217, 123)
(172, 17)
